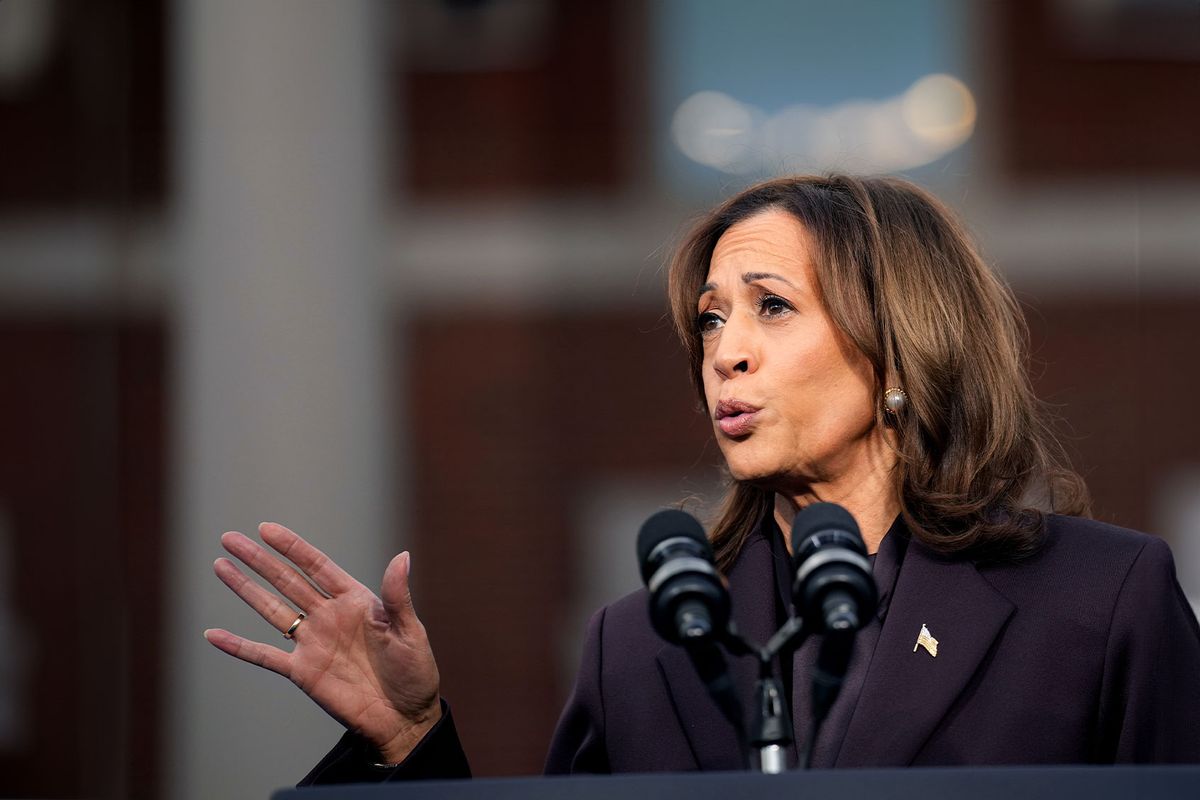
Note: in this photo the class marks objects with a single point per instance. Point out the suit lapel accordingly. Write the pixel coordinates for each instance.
(712, 739)
(907, 693)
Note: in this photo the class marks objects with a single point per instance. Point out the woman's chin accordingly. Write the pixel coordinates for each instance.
(749, 471)
(770, 476)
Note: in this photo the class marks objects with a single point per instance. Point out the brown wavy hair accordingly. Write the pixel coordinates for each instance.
(977, 460)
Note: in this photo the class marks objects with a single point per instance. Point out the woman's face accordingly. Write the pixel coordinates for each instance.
(792, 401)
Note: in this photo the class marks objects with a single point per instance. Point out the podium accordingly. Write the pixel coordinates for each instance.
(943, 783)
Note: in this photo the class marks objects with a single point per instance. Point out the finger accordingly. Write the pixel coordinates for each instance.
(262, 655)
(290, 583)
(278, 613)
(395, 593)
(312, 562)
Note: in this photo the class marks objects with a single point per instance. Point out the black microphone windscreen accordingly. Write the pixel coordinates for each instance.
(821, 517)
(668, 524)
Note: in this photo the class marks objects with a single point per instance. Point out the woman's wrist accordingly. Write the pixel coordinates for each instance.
(393, 752)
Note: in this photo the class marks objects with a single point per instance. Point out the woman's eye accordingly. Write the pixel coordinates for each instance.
(772, 305)
(708, 321)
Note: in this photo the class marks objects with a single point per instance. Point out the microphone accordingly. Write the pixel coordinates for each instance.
(689, 600)
(689, 603)
(834, 590)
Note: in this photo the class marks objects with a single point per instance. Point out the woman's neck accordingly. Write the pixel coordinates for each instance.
(870, 496)
(873, 520)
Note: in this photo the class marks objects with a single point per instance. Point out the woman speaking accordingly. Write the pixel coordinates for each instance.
(850, 346)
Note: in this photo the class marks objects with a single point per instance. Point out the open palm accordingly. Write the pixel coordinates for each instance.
(364, 659)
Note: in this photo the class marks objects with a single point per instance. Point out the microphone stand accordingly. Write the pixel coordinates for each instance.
(773, 732)
(766, 749)
(772, 723)
(773, 728)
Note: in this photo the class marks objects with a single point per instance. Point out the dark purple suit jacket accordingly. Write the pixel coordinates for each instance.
(1087, 653)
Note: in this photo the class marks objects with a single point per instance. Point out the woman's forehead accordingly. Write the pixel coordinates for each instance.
(769, 241)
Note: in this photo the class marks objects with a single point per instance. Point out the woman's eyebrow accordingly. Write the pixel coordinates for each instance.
(749, 277)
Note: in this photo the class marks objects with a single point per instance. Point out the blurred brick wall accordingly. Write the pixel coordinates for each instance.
(82, 483)
(1092, 89)
(1122, 372)
(90, 127)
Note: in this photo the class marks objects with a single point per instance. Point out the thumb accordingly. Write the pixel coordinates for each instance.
(395, 594)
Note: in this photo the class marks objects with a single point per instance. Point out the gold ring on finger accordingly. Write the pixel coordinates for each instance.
(290, 633)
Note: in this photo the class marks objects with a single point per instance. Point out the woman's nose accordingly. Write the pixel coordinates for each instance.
(736, 350)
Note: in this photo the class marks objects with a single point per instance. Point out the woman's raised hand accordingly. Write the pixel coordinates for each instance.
(363, 659)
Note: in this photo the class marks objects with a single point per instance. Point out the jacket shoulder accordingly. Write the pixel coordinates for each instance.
(627, 623)
(1072, 533)
(1081, 569)
(618, 717)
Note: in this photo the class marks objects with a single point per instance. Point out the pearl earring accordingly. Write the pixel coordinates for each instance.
(894, 400)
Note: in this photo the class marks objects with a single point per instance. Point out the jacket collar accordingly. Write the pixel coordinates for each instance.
(908, 691)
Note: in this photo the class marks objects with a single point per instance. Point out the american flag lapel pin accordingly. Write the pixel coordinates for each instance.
(925, 639)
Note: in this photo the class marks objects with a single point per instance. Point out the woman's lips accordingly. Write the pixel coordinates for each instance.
(736, 417)
(738, 424)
